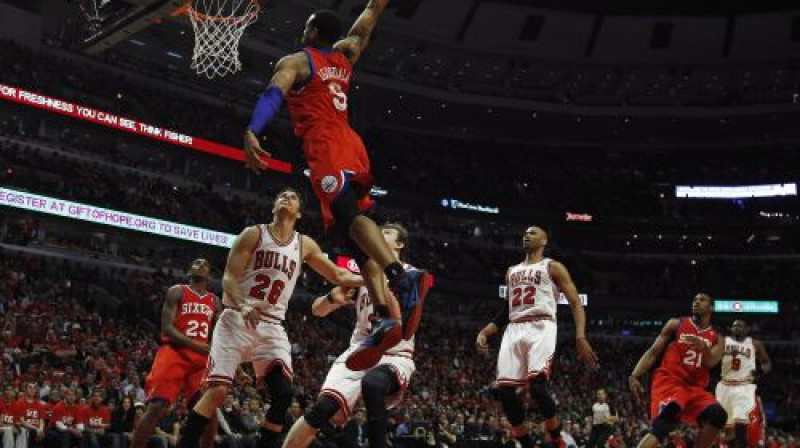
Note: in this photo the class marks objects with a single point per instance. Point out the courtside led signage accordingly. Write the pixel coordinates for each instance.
(98, 215)
(110, 120)
(461, 205)
(746, 306)
(735, 192)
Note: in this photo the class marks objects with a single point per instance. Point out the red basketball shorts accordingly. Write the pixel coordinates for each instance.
(175, 373)
(338, 160)
(692, 399)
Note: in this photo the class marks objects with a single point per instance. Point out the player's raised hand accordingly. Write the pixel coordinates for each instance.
(636, 389)
(342, 295)
(482, 344)
(254, 155)
(585, 353)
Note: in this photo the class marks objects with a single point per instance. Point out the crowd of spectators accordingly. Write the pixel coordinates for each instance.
(57, 336)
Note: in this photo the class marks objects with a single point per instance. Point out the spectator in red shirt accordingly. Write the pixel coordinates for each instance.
(67, 422)
(29, 415)
(7, 428)
(98, 421)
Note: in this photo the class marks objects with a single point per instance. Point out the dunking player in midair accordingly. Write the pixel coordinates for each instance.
(379, 386)
(529, 341)
(260, 275)
(736, 391)
(180, 364)
(690, 347)
(316, 81)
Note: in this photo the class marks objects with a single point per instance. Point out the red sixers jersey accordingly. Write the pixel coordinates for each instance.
(323, 99)
(193, 315)
(681, 361)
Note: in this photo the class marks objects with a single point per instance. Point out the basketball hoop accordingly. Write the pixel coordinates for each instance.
(218, 27)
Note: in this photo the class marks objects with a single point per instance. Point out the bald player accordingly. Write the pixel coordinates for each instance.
(736, 391)
(529, 341)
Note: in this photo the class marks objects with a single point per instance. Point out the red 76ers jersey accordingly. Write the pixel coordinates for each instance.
(682, 361)
(194, 314)
(323, 98)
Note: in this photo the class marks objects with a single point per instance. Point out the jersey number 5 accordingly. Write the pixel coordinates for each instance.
(259, 290)
(517, 298)
(693, 359)
(339, 97)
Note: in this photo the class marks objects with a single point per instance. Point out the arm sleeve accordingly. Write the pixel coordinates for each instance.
(267, 107)
(501, 319)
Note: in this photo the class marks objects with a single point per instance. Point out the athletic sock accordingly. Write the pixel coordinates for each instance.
(192, 430)
(525, 441)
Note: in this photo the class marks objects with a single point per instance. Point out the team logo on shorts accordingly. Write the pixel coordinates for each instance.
(329, 184)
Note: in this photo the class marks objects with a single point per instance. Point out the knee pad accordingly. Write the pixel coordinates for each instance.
(344, 208)
(322, 411)
(540, 394)
(714, 415)
(280, 395)
(512, 405)
(666, 421)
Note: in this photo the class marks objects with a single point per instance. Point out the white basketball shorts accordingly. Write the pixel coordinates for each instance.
(526, 351)
(234, 343)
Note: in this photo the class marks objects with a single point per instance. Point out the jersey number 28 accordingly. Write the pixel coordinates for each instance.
(259, 290)
(339, 96)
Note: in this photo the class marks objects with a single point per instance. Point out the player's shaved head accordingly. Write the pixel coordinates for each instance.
(327, 25)
(739, 328)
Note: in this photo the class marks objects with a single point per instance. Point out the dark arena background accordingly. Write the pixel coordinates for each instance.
(656, 142)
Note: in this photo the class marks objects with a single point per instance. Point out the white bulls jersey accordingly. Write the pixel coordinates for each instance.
(531, 291)
(739, 360)
(364, 314)
(272, 273)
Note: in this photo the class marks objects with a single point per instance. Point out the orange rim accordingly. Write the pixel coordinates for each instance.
(189, 10)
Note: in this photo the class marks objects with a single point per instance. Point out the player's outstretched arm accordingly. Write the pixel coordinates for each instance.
(560, 275)
(320, 263)
(238, 258)
(168, 310)
(358, 37)
(650, 356)
(332, 301)
(762, 356)
(288, 71)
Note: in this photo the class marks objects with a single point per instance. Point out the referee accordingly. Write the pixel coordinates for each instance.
(603, 418)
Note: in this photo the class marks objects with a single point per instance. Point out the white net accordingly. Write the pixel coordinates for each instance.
(218, 27)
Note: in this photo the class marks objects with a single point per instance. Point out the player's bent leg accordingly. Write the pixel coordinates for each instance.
(300, 435)
(202, 413)
(711, 421)
(539, 390)
(376, 385)
(280, 392)
(156, 409)
(666, 422)
(515, 413)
